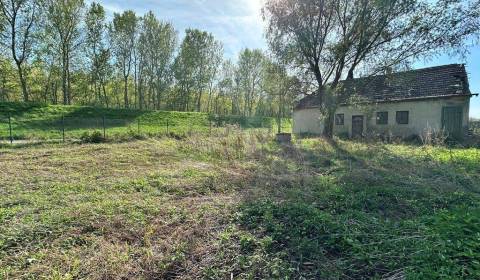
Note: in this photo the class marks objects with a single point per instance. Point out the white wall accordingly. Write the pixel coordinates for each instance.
(422, 114)
(307, 121)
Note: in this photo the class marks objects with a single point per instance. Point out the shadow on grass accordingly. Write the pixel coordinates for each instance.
(343, 210)
(40, 121)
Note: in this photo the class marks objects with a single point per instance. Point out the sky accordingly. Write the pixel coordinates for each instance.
(238, 24)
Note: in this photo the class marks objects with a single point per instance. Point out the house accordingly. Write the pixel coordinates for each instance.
(400, 104)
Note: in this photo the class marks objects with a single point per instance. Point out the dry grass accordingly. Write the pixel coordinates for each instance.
(166, 208)
(112, 211)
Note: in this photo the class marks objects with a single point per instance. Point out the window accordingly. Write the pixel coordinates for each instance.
(402, 117)
(382, 117)
(339, 119)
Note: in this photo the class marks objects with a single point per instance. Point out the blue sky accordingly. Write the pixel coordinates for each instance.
(238, 24)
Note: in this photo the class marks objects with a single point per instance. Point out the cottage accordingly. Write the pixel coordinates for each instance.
(401, 104)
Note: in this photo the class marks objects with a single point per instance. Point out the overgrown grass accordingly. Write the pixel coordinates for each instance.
(46, 122)
(237, 204)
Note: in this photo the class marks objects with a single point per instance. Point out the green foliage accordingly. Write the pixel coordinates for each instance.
(370, 220)
(452, 250)
(213, 206)
(93, 137)
(40, 121)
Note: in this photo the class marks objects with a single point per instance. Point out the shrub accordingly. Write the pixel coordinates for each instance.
(93, 137)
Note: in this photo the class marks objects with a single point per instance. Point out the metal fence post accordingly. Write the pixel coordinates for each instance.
(63, 128)
(104, 131)
(168, 128)
(10, 128)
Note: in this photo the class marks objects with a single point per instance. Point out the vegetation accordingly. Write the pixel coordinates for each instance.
(209, 194)
(31, 121)
(68, 52)
(328, 41)
(239, 205)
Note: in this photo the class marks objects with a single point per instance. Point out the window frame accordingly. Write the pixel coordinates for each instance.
(342, 123)
(385, 114)
(399, 118)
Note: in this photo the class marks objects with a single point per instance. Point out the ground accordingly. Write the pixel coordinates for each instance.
(33, 122)
(239, 206)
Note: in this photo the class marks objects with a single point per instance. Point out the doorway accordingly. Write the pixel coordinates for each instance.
(357, 126)
(452, 121)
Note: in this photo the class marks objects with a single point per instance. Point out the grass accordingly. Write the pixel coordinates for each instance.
(238, 205)
(32, 121)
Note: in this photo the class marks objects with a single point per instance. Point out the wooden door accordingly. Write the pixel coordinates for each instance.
(357, 126)
(452, 119)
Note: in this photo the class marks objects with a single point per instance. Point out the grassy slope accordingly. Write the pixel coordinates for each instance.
(240, 205)
(37, 121)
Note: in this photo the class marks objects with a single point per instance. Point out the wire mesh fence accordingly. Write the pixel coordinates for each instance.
(66, 128)
(475, 127)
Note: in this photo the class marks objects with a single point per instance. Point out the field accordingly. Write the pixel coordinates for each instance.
(239, 206)
(55, 122)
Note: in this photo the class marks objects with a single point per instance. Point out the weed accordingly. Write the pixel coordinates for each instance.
(235, 203)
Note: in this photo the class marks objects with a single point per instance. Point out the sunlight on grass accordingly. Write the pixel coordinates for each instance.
(238, 204)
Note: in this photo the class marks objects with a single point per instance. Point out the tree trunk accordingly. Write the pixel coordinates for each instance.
(64, 84)
(125, 93)
(69, 86)
(199, 105)
(4, 96)
(140, 94)
(23, 82)
(328, 124)
(55, 93)
(105, 95)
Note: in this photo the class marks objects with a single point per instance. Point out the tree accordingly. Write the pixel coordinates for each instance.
(226, 89)
(249, 77)
(281, 88)
(332, 39)
(97, 52)
(215, 58)
(191, 68)
(20, 17)
(122, 33)
(157, 45)
(63, 23)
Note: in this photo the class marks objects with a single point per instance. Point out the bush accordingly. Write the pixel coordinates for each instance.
(94, 137)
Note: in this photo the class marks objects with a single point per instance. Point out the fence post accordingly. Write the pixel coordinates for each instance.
(210, 132)
(168, 129)
(63, 128)
(104, 131)
(10, 128)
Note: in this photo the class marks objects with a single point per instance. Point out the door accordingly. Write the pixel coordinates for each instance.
(357, 126)
(452, 121)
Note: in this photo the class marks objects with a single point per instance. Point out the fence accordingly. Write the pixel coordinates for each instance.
(65, 128)
(475, 127)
